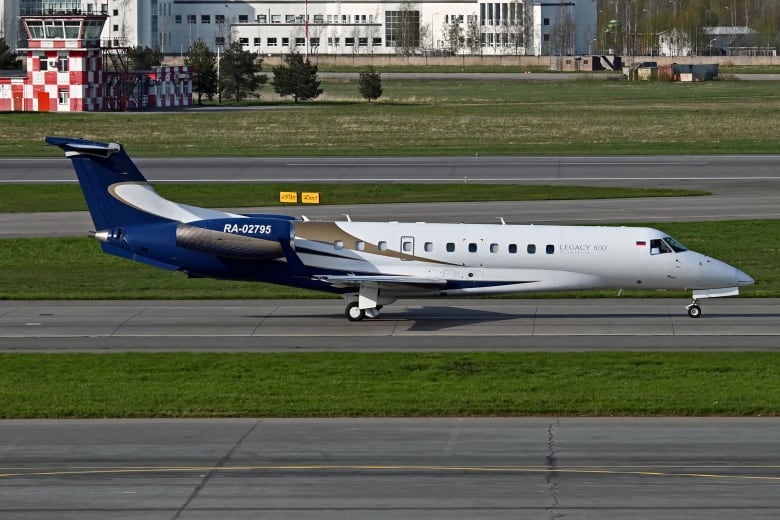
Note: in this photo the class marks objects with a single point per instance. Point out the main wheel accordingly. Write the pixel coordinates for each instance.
(694, 311)
(354, 313)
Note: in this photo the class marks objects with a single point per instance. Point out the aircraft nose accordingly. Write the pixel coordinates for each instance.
(714, 273)
(743, 279)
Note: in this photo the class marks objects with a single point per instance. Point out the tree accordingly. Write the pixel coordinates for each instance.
(405, 29)
(143, 58)
(474, 36)
(297, 78)
(455, 36)
(203, 69)
(370, 84)
(8, 60)
(562, 36)
(240, 72)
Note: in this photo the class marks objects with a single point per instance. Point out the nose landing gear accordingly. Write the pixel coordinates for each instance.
(354, 313)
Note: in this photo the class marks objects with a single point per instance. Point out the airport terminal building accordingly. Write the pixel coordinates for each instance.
(473, 27)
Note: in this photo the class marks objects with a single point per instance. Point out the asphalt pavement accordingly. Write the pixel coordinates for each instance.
(426, 468)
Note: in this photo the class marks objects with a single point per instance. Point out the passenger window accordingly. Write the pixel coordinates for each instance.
(550, 249)
(450, 247)
(531, 249)
(472, 247)
(382, 245)
(338, 244)
(429, 247)
(407, 247)
(494, 248)
(360, 245)
(513, 248)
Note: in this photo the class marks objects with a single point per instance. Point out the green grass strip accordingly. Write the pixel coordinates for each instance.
(388, 384)
(68, 197)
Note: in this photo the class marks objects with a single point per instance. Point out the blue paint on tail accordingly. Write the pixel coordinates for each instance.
(99, 166)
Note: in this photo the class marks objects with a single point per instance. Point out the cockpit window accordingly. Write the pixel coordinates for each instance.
(678, 247)
(660, 246)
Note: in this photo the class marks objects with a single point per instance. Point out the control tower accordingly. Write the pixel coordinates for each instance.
(64, 63)
(68, 70)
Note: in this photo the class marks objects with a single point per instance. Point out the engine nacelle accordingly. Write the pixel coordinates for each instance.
(246, 238)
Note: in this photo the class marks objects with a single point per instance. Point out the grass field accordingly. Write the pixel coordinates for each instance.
(444, 117)
(392, 384)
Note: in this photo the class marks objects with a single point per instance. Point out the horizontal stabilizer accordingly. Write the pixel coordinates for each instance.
(81, 147)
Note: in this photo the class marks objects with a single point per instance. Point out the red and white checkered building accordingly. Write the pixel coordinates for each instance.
(65, 73)
(170, 86)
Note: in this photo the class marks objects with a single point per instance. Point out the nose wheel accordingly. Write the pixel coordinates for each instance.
(354, 313)
(694, 309)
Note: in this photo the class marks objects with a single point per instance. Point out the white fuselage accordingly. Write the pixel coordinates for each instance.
(495, 258)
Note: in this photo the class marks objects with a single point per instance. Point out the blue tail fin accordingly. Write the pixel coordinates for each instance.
(103, 170)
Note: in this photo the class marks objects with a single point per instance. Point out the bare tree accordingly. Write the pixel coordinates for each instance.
(562, 35)
(123, 29)
(517, 26)
(405, 29)
(426, 35)
(355, 35)
(474, 35)
(455, 37)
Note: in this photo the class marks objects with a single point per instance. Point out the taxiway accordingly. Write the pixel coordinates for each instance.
(460, 468)
(407, 326)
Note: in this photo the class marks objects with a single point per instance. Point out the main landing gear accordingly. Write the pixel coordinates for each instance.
(354, 313)
(694, 309)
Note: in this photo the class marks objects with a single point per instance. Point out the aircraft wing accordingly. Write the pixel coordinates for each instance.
(350, 280)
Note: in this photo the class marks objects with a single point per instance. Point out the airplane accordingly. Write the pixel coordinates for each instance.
(372, 264)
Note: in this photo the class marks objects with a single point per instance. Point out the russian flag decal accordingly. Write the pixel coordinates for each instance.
(641, 243)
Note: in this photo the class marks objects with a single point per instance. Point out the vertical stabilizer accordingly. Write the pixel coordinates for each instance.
(116, 192)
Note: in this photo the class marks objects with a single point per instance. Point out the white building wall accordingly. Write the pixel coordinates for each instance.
(346, 28)
(122, 26)
(179, 24)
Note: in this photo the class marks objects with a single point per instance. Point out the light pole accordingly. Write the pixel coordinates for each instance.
(433, 37)
(675, 33)
(306, 28)
(650, 38)
(590, 51)
(712, 40)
